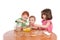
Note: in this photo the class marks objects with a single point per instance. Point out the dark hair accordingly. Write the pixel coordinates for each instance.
(48, 14)
(25, 12)
(33, 17)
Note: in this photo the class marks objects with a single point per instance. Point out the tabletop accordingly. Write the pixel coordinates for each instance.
(32, 35)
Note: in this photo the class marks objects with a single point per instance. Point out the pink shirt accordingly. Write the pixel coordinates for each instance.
(49, 28)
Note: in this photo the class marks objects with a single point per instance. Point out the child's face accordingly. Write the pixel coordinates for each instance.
(31, 20)
(24, 17)
(44, 17)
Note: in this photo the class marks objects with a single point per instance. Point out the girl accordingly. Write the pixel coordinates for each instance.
(46, 16)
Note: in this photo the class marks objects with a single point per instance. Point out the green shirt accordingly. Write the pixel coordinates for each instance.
(19, 24)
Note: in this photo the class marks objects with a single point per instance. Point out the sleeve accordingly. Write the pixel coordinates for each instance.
(49, 21)
(17, 20)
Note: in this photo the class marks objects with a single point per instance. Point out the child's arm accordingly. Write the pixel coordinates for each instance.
(45, 26)
(19, 21)
(37, 25)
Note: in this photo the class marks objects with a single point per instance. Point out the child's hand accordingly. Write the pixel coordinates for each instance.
(22, 21)
(34, 28)
(46, 32)
(18, 28)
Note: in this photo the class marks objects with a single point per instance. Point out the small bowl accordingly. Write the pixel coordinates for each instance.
(27, 29)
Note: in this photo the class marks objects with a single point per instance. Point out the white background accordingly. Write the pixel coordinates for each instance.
(10, 10)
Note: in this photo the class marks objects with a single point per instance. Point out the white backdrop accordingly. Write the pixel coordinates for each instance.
(10, 10)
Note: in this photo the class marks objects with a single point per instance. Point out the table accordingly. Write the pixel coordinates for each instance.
(33, 35)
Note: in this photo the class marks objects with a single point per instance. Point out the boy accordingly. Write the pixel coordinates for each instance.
(22, 22)
(32, 24)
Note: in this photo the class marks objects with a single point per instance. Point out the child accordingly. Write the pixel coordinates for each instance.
(32, 24)
(22, 22)
(46, 22)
